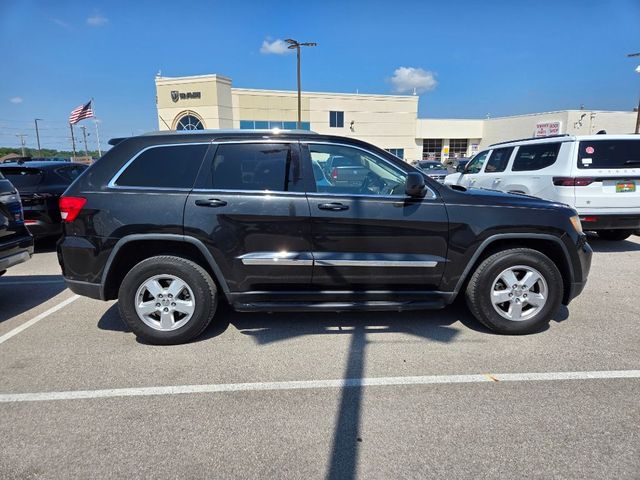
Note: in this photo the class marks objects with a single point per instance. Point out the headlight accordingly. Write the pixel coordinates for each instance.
(575, 221)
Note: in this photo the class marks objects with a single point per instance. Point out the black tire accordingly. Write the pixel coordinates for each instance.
(198, 280)
(479, 290)
(614, 235)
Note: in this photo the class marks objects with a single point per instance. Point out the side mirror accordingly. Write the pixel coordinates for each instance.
(460, 168)
(415, 186)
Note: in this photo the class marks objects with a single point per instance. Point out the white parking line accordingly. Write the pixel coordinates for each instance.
(37, 318)
(494, 378)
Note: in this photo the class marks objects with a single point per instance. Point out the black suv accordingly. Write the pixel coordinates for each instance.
(40, 185)
(16, 243)
(172, 223)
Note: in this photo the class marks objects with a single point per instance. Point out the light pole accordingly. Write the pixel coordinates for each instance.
(21, 137)
(296, 44)
(38, 136)
(638, 71)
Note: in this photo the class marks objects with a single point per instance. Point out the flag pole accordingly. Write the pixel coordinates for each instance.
(73, 142)
(95, 121)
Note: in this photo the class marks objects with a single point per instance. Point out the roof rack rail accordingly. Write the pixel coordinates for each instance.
(531, 138)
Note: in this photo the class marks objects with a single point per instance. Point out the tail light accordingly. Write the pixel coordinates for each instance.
(572, 182)
(70, 207)
(334, 173)
(589, 219)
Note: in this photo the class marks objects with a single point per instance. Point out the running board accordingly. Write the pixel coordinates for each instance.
(371, 305)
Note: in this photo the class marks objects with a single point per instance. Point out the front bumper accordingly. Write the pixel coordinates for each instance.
(597, 221)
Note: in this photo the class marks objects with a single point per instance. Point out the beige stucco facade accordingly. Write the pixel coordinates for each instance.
(388, 121)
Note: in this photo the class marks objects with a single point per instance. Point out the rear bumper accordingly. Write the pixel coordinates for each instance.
(41, 229)
(597, 221)
(16, 251)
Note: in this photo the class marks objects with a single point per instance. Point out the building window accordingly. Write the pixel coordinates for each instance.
(336, 119)
(432, 149)
(189, 122)
(398, 152)
(458, 147)
(269, 124)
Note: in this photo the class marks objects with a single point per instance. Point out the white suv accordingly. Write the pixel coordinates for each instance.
(598, 175)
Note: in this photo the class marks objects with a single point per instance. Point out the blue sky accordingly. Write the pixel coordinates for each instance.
(467, 58)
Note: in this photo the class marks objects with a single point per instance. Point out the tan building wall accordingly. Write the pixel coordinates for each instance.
(388, 121)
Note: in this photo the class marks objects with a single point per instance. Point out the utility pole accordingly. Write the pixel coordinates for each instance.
(21, 137)
(38, 136)
(84, 134)
(294, 44)
(73, 142)
(637, 116)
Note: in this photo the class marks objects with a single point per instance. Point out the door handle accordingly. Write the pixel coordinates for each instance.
(497, 180)
(211, 202)
(333, 206)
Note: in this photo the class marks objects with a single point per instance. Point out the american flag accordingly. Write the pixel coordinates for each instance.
(80, 113)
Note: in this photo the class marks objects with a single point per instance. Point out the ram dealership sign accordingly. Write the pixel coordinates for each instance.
(544, 129)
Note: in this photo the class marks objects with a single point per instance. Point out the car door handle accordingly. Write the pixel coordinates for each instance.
(333, 206)
(497, 180)
(211, 202)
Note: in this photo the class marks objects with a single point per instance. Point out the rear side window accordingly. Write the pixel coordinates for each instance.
(609, 154)
(174, 166)
(535, 157)
(498, 160)
(255, 166)
(70, 173)
(22, 177)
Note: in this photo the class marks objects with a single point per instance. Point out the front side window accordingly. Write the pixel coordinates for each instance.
(174, 166)
(535, 157)
(609, 154)
(476, 163)
(256, 167)
(498, 160)
(336, 119)
(349, 170)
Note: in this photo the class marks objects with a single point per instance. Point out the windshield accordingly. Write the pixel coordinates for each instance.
(609, 154)
(431, 166)
(22, 177)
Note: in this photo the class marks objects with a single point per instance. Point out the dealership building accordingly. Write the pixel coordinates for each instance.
(388, 121)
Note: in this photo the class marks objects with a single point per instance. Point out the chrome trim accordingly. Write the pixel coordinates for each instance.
(114, 179)
(376, 263)
(245, 192)
(304, 259)
(308, 259)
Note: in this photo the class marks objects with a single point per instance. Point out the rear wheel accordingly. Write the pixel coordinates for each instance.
(167, 300)
(614, 235)
(515, 291)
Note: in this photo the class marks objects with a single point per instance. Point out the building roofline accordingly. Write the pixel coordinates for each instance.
(329, 94)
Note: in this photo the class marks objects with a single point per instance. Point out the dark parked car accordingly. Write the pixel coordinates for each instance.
(16, 243)
(172, 223)
(433, 169)
(40, 185)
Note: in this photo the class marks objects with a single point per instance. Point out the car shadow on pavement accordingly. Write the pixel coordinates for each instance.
(605, 246)
(18, 293)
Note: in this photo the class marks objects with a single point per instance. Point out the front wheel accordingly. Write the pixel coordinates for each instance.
(515, 291)
(614, 235)
(167, 300)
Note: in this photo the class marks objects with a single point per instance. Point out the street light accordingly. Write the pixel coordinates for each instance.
(296, 44)
(637, 71)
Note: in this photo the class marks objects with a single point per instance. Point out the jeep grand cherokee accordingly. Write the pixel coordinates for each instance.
(172, 223)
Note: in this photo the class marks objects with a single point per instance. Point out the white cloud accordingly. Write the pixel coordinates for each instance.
(15, 100)
(277, 47)
(97, 20)
(406, 79)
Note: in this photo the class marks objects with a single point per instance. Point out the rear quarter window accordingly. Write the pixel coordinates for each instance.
(535, 157)
(594, 154)
(171, 166)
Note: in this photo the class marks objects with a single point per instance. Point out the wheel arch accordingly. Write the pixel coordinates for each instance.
(549, 245)
(132, 249)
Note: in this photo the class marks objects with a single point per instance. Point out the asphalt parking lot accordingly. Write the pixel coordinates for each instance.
(428, 395)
